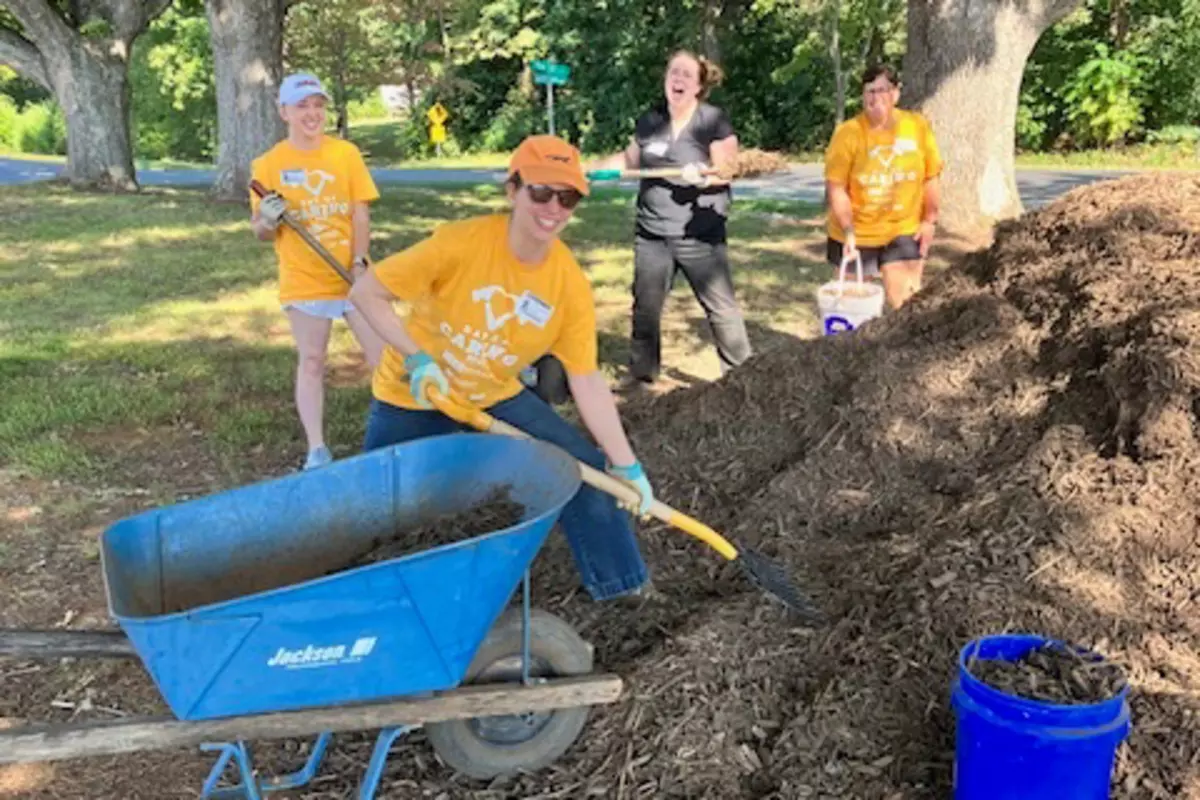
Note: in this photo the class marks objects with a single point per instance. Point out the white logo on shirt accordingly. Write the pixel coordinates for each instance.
(886, 154)
(313, 181)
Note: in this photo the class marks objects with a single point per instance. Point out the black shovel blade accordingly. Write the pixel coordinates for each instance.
(773, 579)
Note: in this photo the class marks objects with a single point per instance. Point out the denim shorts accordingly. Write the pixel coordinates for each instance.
(324, 309)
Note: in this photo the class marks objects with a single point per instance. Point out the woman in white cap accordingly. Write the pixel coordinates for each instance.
(324, 182)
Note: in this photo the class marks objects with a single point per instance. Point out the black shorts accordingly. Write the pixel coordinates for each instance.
(902, 248)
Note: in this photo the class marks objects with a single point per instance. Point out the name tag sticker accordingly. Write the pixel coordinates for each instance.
(531, 308)
(658, 148)
(292, 177)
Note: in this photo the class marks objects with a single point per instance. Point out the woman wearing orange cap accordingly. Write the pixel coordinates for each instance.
(488, 297)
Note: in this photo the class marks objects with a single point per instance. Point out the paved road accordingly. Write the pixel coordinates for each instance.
(1037, 186)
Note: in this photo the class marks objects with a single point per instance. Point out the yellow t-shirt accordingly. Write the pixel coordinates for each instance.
(483, 315)
(320, 187)
(885, 173)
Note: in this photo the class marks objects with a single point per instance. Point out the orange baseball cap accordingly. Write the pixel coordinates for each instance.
(548, 159)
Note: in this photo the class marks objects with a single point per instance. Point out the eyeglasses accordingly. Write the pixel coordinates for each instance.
(567, 198)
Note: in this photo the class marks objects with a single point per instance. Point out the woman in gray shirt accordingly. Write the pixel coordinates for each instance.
(681, 221)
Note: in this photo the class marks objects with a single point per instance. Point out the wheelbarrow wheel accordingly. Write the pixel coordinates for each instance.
(487, 747)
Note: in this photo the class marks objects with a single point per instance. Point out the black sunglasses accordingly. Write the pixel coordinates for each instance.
(567, 198)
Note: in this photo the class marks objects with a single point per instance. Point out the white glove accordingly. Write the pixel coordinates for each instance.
(271, 209)
(692, 174)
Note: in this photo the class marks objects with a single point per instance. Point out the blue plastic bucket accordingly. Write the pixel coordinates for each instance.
(1011, 748)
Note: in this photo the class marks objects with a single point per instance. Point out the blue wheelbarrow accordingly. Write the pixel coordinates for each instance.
(237, 606)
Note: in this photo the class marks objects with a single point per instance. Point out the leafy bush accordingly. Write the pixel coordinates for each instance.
(517, 118)
(9, 120)
(174, 103)
(1175, 134)
(1102, 102)
(369, 108)
(42, 129)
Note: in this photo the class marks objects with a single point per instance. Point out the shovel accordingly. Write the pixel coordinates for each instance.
(761, 571)
(638, 174)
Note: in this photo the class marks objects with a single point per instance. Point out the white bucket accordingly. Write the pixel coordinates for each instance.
(845, 306)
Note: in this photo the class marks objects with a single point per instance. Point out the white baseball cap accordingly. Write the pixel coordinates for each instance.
(298, 86)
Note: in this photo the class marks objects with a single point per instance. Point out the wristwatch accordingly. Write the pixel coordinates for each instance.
(362, 261)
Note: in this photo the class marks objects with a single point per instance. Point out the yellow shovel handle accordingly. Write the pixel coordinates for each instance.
(482, 421)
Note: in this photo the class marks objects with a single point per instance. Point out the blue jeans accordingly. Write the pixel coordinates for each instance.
(599, 532)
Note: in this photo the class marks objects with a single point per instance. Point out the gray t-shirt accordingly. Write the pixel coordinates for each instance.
(668, 206)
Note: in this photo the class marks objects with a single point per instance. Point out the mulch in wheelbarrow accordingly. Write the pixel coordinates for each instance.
(495, 512)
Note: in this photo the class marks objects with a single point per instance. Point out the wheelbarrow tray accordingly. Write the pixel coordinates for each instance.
(228, 603)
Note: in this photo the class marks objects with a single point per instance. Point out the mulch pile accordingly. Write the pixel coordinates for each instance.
(1052, 673)
(1015, 450)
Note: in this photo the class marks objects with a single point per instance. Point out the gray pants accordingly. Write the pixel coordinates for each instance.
(706, 267)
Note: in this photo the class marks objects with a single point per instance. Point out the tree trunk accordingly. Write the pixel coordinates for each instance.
(963, 70)
(93, 92)
(89, 78)
(710, 44)
(247, 45)
(1118, 22)
(875, 44)
(835, 55)
(342, 101)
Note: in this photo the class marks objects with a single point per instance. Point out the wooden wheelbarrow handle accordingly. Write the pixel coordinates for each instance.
(625, 494)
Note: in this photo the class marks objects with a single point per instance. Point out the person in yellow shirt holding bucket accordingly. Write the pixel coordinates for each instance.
(324, 182)
(881, 179)
(487, 297)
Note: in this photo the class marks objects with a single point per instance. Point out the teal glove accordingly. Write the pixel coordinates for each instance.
(635, 475)
(421, 368)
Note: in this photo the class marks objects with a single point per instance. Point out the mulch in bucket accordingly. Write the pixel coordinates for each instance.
(1053, 673)
(845, 305)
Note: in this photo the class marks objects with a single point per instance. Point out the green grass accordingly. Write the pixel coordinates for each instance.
(141, 331)
(1144, 156)
(139, 163)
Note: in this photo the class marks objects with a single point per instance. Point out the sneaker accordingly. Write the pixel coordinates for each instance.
(632, 384)
(318, 457)
(636, 598)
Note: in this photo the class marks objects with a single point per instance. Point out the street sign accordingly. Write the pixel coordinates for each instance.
(437, 129)
(550, 73)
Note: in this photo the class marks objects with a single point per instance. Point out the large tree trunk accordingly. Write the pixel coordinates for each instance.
(89, 78)
(963, 70)
(93, 92)
(247, 45)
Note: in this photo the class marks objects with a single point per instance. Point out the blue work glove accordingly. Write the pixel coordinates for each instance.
(421, 369)
(636, 476)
